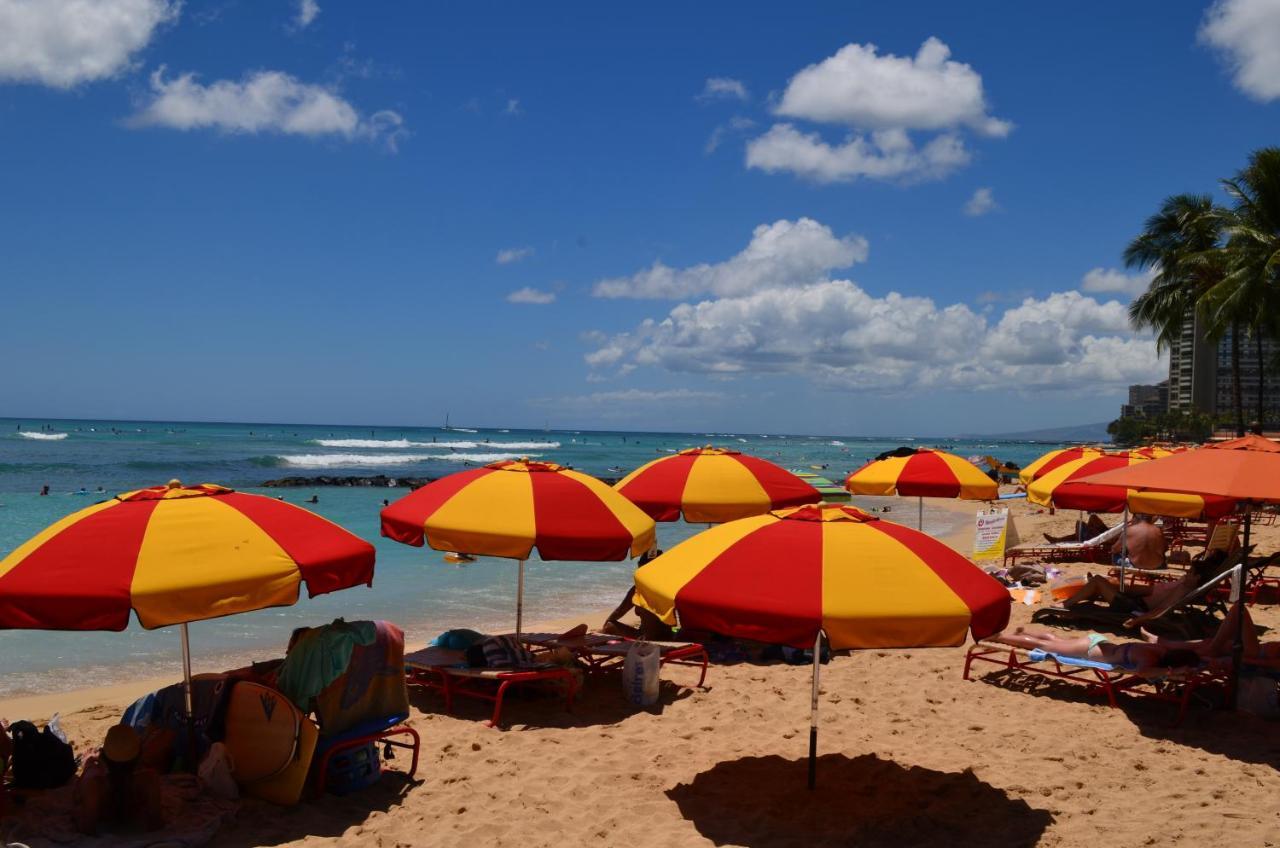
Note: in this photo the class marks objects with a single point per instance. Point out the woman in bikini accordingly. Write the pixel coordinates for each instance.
(1146, 659)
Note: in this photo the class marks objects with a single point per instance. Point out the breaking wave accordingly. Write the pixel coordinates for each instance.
(48, 437)
(338, 460)
(405, 443)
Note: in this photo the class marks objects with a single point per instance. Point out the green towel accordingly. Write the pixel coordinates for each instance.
(320, 656)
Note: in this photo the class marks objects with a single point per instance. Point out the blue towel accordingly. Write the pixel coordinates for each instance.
(1039, 655)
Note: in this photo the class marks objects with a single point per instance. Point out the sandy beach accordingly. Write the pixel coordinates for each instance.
(910, 754)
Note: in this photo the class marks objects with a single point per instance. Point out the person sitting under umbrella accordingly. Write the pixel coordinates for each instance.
(1144, 601)
(1095, 526)
(651, 627)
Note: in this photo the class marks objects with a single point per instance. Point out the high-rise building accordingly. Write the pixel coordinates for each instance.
(1223, 404)
(1191, 369)
(1146, 401)
(1200, 374)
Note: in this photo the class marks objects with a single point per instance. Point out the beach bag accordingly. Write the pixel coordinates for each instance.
(217, 774)
(41, 760)
(640, 673)
(504, 652)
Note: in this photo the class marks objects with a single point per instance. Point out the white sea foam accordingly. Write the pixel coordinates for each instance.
(338, 460)
(836, 443)
(48, 437)
(456, 445)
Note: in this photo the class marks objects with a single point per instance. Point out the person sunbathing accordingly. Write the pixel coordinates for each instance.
(1145, 659)
(1220, 646)
(1095, 526)
(1143, 543)
(651, 627)
(1147, 601)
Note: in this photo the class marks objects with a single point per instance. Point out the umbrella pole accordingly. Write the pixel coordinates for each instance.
(519, 600)
(1124, 542)
(1237, 604)
(920, 513)
(186, 698)
(813, 713)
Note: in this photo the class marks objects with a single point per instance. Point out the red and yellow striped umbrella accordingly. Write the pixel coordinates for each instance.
(507, 509)
(924, 474)
(1051, 460)
(785, 576)
(712, 485)
(796, 575)
(175, 554)
(1065, 488)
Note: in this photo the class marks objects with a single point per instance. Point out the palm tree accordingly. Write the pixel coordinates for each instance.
(1182, 243)
(1249, 293)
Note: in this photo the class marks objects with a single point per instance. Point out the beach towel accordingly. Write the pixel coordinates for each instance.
(318, 656)
(371, 689)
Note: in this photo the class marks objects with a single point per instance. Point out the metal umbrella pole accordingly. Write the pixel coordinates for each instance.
(520, 600)
(1237, 604)
(813, 712)
(187, 698)
(920, 514)
(1124, 542)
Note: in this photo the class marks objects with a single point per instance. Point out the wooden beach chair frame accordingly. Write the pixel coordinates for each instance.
(1096, 678)
(438, 669)
(601, 652)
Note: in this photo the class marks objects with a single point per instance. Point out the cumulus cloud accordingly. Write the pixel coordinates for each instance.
(510, 255)
(837, 335)
(261, 102)
(1115, 281)
(861, 88)
(533, 296)
(1247, 34)
(62, 43)
(882, 99)
(784, 253)
(982, 202)
(306, 14)
(723, 88)
(736, 124)
(885, 155)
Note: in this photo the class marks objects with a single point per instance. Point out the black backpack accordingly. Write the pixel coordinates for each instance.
(40, 759)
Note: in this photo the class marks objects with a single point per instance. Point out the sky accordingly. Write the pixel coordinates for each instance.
(858, 218)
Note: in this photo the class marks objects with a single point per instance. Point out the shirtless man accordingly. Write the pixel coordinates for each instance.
(1144, 542)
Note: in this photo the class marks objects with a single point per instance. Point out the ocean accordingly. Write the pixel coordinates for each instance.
(86, 461)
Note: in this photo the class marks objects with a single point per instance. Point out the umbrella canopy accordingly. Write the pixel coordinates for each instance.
(1246, 469)
(924, 474)
(785, 576)
(175, 554)
(1073, 485)
(798, 575)
(507, 509)
(1051, 460)
(712, 485)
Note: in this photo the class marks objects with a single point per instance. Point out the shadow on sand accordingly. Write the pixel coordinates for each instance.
(762, 802)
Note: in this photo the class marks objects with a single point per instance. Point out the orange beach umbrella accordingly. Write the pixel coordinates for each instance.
(175, 554)
(712, 485)
(924, 474)
(1073, 485)
(796, 576)
(508, 509)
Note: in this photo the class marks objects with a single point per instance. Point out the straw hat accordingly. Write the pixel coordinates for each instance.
(122, 744)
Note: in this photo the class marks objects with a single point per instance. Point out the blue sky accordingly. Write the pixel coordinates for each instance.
(855, 219)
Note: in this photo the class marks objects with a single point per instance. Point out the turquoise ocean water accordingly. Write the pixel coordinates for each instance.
(412, 586)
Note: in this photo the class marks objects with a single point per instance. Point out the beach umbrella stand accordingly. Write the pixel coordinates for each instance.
(813, 711)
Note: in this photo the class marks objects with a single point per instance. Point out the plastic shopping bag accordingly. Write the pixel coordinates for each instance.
(640, 674)
(216, 772)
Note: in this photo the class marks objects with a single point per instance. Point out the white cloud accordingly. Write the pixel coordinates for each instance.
(508, 255)
(62, 43)
(1115, 281)
(513, 107)
(531, 296)
(262, 102)
(837, 335)
(982, 202)
(1247, 33)
(885, 155)
(882, 99)
(307, 12)
(860, 88)
(723, 88)
(737, 123)
(784, 253)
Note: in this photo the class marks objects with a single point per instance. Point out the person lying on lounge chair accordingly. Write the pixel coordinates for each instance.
(651, 627)
(1145, 659)
(1220, 646)
(1095, 526)
(1146, 601)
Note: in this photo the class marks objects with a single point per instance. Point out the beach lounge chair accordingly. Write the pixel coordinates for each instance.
(1097, 549)
(601, 652)
(447, 672)
(1098, 678)
(365, 707)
